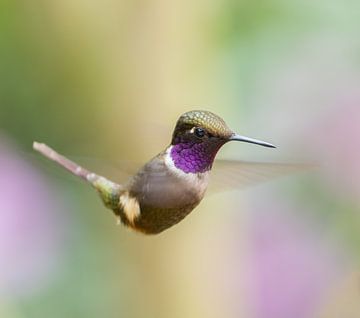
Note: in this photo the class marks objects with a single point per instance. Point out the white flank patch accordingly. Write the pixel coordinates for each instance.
(131, 207)
(198, 180)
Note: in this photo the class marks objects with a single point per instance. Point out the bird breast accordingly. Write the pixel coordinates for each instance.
(160, 195)
(160, 184)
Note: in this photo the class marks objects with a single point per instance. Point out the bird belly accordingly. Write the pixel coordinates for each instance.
(154, 220)
(164, 197)
(163, 209)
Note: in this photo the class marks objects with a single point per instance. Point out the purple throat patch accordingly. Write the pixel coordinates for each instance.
(192, 157)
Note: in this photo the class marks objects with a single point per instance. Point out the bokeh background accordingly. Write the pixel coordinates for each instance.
(105, 81)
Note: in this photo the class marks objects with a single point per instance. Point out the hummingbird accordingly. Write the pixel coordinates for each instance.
(169, 186)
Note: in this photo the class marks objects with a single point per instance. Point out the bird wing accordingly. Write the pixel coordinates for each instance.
(231, 174)
(226, 175)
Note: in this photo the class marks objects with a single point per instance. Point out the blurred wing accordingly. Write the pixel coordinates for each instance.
(231, 174)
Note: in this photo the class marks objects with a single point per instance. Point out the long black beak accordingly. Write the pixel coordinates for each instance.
(251, 140)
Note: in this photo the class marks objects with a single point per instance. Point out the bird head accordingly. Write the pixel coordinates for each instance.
(197, 137)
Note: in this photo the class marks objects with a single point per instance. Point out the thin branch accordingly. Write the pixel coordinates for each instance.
(64, 162)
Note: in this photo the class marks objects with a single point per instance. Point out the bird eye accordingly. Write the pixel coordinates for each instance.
(199, 132)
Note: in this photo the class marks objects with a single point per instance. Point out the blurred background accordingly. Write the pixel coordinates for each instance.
(105, 81)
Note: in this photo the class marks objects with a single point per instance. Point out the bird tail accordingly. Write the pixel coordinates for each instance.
(109, 191)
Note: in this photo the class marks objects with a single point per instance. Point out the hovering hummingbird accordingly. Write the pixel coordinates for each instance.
(172, 184)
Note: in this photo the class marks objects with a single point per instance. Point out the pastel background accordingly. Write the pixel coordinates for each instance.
(105, 81)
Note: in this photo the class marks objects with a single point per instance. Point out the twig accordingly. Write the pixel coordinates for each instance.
(64, 162)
